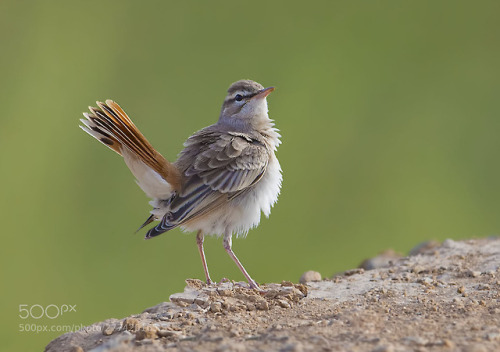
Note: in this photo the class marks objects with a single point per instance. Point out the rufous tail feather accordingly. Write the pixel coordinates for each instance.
(111, 126)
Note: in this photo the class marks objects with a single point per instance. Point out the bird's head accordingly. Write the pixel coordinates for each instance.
(245, 102)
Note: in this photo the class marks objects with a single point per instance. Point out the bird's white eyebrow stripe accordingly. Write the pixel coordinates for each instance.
(245, 95)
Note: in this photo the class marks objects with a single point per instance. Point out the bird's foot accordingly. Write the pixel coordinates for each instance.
(253, 285)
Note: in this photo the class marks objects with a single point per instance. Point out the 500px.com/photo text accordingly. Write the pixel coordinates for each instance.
(38, 328)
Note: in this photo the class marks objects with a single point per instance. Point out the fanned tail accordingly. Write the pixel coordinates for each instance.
(110, 125)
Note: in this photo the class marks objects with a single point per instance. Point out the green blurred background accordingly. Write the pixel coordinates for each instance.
(389, 113)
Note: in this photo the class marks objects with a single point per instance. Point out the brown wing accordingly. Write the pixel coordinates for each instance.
(111, 126)
(231, 164)
(224, 165)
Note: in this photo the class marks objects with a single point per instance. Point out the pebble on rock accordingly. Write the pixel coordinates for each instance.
(383, 260)
(309, 276)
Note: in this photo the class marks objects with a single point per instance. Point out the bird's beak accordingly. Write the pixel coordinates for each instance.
(264, 93)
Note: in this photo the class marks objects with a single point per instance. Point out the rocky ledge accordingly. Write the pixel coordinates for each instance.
(443, 297)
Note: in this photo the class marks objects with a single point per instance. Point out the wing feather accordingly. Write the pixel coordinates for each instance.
(224, 166)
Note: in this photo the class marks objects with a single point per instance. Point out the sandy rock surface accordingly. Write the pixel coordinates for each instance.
(444, 297)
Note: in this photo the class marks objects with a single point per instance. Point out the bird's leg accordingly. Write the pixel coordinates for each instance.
(227, 246)
(199, 241)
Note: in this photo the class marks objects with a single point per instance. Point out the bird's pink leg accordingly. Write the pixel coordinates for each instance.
(227, 246)
(199, 241)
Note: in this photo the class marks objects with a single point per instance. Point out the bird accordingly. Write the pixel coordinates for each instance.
(224, 178)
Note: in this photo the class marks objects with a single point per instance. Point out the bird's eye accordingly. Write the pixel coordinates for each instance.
(238, 97)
